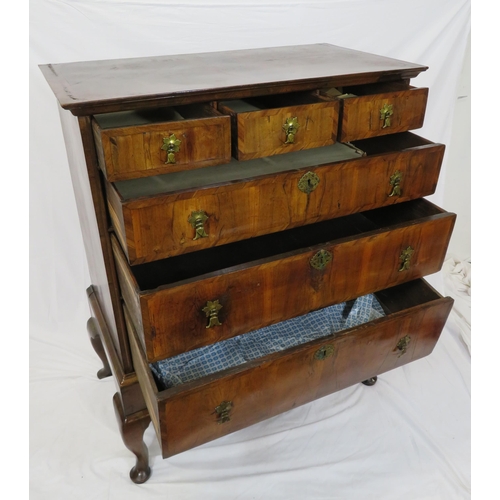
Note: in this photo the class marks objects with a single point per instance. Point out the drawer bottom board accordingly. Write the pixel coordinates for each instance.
(199, 411)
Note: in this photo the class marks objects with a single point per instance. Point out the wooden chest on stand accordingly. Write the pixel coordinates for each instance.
(255, 240)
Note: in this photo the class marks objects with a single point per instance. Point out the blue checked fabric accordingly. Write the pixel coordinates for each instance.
(238, 350)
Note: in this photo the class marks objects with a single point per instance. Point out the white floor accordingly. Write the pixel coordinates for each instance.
(406, 437)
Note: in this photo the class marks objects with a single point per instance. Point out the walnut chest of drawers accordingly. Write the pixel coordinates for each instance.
(218, 196)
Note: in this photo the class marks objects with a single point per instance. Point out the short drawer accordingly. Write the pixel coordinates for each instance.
(197, 299)
(133, 144)
(374, 110)
(195, 412)
(272, 125)
(163, 216)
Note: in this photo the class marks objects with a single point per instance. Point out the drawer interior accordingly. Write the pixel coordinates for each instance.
(160, 273)
(139, 117)
(361, 90)
(268, 102)
(251, 169)
(329, 322)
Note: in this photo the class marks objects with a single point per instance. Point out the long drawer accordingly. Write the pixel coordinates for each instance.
(199, 411)
(193, 300)
(164, 216)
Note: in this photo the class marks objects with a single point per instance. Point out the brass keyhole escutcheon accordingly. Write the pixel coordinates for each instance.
(385, 114)
(171, 145)
(405, 258)
(223, 412)
(308, 182)
(211, 310)
(197, 220)
(402, 345)
(320, 259)
(290, 127)
(324, 352)
(395, 182)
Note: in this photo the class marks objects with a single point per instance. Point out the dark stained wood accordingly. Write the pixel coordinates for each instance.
(265, 387)
(252, 280)
(126, 384)
(96, 342)
(92, 213)
(157, 227)
(103, 86)
(132, 429)
(259, 133)
(361, 115)
(131, 151)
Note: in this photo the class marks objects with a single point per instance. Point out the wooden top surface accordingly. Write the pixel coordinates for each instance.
(110, 85)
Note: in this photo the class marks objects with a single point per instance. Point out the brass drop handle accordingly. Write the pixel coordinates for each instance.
(385, 114)
(171, 145)
(223, 412)
(197, 220)
(320, 259)
(290, 127)
(395, 182)
(324, 352)
(405, 258)
(212, 312)
(403, 345)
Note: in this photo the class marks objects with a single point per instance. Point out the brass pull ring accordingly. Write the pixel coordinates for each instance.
(290, 127)
(385, 114)
(197, 220)
(211, 310)
(171, 145)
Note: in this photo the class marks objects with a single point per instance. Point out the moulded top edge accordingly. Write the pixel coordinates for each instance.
(87, 86)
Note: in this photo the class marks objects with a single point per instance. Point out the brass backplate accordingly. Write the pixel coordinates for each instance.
(324, 352)
(223, 412)
(308, 182)
(403, 345)
(405, 258)
(320, 259)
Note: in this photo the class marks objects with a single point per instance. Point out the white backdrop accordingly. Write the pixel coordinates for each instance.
(407, 437)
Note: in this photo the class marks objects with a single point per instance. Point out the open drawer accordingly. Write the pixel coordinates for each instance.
(271, 125)
(379, 109)
(141, 143)
(198, 299)
(195, 412)
(163, 216)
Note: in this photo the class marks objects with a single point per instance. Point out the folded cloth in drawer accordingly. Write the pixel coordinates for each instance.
(238, 350)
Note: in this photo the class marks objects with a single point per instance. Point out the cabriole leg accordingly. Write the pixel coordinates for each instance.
(95, 340)
(132, 430)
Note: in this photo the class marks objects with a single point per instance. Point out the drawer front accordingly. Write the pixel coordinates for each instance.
(231, 400)
(164, 226)
(380, 114)
(199, 312)
(144, 150)
(269, 132)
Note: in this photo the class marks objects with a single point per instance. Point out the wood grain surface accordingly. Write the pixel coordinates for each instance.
(157, 227)
(284, 380)
(270, 279)
(361, 115)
